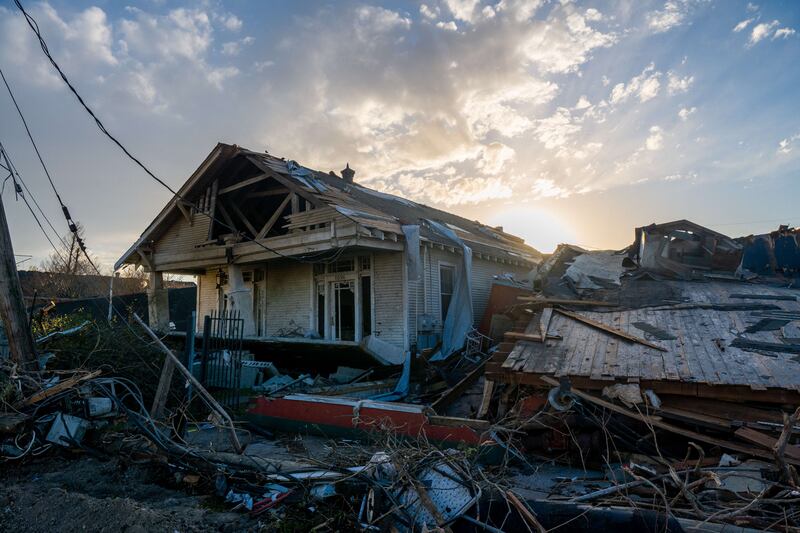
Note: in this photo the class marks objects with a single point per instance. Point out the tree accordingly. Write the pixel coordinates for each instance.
(70, 260)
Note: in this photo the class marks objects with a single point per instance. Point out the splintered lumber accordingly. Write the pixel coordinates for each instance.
(768, 442)
(486, 399)
(608, 329)
(58, 387)
(784, 297)
(458, 389)
(564, 301)
(524, 512)
(164, 381)
(544, 321)
(656, 422)
(196, 384)
(516, 336)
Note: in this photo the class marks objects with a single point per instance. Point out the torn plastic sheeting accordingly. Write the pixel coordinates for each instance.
(413, 260)
(305, 176)
(458, 321)
(346, 211)
(403, 384)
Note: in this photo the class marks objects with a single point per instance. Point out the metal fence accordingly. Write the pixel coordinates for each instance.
(221, 356)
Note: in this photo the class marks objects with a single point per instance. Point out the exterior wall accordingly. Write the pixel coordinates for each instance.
(289, 286)
(207, 296)
(182, 236)
(483, 271)
(387, 283)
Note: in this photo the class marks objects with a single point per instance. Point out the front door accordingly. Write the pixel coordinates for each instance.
(344, 310)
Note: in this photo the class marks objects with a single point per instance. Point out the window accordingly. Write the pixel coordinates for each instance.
(364, 262)
(343, 265)
(445, 288)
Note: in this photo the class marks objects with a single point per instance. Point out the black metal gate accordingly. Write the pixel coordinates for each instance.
(221, 359)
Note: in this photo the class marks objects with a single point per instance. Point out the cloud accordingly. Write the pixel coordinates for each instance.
(783, 33)
(230, 21)
(450, 26)
(677, 84)
(547, 188)
(743, 25)
(655, 141)
(495, 158)
(645, 86)
(428, 12)
(233, 48)
(786, 145)
(673, 14)
(686, 112)
(462, 9)
(761, 31)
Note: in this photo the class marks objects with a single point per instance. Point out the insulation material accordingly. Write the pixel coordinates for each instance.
(458, 321)
(412, 255)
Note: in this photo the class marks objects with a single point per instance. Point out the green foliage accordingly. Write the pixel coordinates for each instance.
(46, 324)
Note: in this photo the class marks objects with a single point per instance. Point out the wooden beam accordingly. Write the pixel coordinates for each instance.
(248, 225)
(227, 216)
(608, 329)
(212, 402)
(212, 209)
(514, 336)
(274, 218)
(244, 183)
(656, 422)
(544, 321)
(184, 212)
(562, 301)
(456, 390)
(164, 382)
(269, 192)
(295, 203)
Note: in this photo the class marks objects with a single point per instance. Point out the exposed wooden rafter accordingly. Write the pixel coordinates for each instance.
(243, 218)
(274, 218)
(270, 192)
(212, 209)
(244, 183)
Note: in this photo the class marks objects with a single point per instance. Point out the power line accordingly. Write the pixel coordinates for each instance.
(70, 222)
(18, 191)
(35, 28)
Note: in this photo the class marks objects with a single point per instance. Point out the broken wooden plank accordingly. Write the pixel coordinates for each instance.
(564, 301)
(458, 389)
(766, 441)
(608, 329)
(488, 391)
(544, 321)
(162, 391)
(655, 422)
(57, 388)
(198, 387)
(515, 336)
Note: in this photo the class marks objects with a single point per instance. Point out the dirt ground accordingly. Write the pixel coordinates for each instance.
(58, 494)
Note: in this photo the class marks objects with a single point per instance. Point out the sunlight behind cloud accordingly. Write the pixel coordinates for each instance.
(541, 228)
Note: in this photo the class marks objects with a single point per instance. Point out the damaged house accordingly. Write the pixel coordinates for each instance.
(308, 256)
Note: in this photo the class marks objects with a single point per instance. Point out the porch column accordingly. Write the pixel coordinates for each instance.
(157, 302)
(240, 298)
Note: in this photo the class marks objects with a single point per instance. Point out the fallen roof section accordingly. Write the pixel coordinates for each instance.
(703, 346)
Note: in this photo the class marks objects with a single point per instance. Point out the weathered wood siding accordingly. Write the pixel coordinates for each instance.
(289, 285)
(181, 237)
(388, 286)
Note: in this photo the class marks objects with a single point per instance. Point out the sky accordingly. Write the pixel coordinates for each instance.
(561, 121)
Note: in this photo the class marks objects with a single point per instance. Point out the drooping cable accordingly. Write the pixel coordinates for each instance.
(35, 28)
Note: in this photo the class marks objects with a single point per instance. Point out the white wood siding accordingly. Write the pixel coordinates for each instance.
(182, 237)
(387, 283)
(289, 285)
(207, 296)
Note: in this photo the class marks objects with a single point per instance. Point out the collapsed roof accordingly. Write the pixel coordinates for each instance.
(237, 167)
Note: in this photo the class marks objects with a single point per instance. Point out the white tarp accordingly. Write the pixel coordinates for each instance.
(458, 321)
(413, 260)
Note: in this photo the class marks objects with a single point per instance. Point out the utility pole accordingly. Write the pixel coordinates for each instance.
(12, 306)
